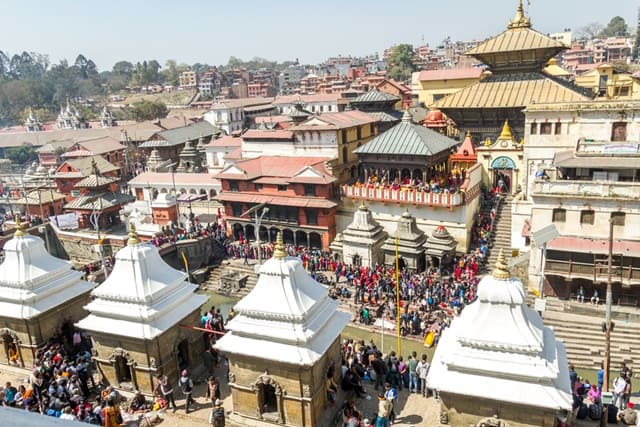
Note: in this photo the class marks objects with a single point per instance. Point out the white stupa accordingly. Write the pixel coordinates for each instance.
(500, 350)
(143, 296)
(288, 316)
(32, 281)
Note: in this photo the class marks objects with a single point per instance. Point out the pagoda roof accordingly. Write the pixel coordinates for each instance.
(32, 281)
(441, 242)
(93, 181)
(501, 344)
(517, 47)
(467, 151)
(99, 202)
(84, 167)
(407, 138)
(376, 96)
(177, 136)
(142, 297)
(288, 316)
(513, 90)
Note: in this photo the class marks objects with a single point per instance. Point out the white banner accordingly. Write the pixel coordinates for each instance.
(66, 221)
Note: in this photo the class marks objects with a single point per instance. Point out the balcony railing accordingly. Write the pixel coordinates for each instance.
(626, 274)
(404, 196)
(613, 189)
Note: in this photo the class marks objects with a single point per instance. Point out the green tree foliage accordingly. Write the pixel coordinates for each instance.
(171, 72)
(146, 110)
(146, 73)
(400, 62)
(22, 154)
(616, 27)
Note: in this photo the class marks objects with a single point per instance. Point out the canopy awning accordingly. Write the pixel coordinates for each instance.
(595, 246)
(570, 160)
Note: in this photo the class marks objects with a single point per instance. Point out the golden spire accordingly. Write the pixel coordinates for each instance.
(506, 131)
(501, 271)
(19, 228)
(520, 20)
(362, 207)
(278, 250)
(133, 235)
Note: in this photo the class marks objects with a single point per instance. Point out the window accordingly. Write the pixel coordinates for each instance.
(617, 218)
(557, 129)
(619, 131)
(237, 209)
(233, 186)
(545, 128)
(282, 188)
(559, 215)
(257, 187)
(312, 217)
(309, 190)
(587, 217)
(534, 129)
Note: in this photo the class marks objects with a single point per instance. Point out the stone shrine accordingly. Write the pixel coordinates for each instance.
(39, 295)
(282, 344)
(140, 320)
(411, 242)
(361, 242)
(498, 358)
(441, 247)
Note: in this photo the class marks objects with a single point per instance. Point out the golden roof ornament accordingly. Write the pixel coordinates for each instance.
(362, 207)
(520, 20)
(501, 272)
(19, 228)
(278, 250)
(506, 131)
(133, 236)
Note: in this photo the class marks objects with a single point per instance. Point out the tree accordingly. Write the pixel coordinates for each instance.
(400, 62)
(590, 31)
(22, 154)
(616, 27)
(171, 72)
(147, 110)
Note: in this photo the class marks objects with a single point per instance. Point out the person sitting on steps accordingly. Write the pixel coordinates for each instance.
(595, 299)
(580, 294)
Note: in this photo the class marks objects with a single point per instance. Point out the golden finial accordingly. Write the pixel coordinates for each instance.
(362, 207)
(468, 135)
(520, 21)
(19, 228)
(501, 271)
(133, 235)
(278, 250)
(506, 131)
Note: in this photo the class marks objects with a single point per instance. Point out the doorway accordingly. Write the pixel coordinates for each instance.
(183, 355)
(123, 371)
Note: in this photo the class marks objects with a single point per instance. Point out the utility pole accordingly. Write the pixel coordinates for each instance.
(608, 326)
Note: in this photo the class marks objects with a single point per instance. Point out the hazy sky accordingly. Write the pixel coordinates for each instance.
(210, 31)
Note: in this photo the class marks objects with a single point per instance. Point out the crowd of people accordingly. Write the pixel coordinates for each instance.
(195, 230)
(439, 181)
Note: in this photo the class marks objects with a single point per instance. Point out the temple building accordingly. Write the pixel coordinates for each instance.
(137, 318)
(502, 161)
(40, 296)
(497, 360)
(170, 143)
(407, 243)
(441, 247)
(296, 328)
(107, 120)
(32, 124)
(190, 159)
(516, 59)
(70, 118)
(379, 105)
(361, 242)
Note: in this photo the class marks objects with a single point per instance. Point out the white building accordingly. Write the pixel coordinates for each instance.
(230, 114)
(498, 358)
(218, 150)
(582, 165)
(318, 103)
(147, 185)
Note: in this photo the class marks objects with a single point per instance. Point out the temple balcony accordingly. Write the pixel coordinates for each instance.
(588, 189)
(627, 275)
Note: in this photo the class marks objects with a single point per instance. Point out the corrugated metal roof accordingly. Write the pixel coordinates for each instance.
(516, 39)
(384, 116)
(407, 138)
(375, 95)
(179, 135)
(511, 91)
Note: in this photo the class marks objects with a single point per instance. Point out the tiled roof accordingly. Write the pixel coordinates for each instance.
(171, 137)
(512, 91)
(267, 134)
(299, 201)
(383, 116)
(46, 196)
(273, 166)
(334, 121)
(83, 165)
(99, 202)
(306, 99)
(407, 138)
(376, 95)
(92, 181)
(226, 141)
(516, 39)
(101, 145)
(452, 74)
(272, 119)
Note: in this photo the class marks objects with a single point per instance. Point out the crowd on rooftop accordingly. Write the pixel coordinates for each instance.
(439, 182)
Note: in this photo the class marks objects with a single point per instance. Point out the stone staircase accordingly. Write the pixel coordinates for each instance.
(501, 232)
(579, 326)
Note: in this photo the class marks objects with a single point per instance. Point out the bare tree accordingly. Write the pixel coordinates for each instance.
(590, 31)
